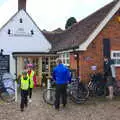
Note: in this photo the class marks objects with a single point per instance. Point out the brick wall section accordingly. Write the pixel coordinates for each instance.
(94, 54)
(22, 4)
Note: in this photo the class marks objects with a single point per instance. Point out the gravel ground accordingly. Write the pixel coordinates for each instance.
(93, 109)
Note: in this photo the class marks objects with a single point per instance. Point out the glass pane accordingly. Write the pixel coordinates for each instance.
(64, 61)
(68, 61)
(114, 61)
(118, 61)
(114, 54)
(67, 55)
(63, 55)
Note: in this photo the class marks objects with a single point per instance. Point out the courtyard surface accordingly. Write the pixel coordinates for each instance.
(93, 109)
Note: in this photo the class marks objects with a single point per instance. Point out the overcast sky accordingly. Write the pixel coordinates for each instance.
(51, 14)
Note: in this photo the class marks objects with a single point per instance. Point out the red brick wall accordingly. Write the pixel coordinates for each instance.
(94, 54)
(117, 73)
(21, 4)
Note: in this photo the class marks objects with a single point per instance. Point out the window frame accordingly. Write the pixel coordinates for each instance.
(115, 56)
(65, 57)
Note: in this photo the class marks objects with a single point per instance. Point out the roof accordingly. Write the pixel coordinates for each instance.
(79, 32)
(33, 53)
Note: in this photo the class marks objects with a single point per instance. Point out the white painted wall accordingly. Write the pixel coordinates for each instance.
(11, 43)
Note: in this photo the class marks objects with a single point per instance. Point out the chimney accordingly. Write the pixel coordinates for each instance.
(21, 4)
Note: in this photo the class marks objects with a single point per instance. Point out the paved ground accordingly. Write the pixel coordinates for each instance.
(93, 109)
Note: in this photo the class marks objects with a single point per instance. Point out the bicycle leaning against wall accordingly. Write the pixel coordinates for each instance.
(97, 85)
(7, 91)
(76, 91)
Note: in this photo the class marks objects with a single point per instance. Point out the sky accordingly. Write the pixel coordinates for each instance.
(51, 14)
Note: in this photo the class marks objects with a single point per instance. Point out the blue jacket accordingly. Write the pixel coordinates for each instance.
(61, 74)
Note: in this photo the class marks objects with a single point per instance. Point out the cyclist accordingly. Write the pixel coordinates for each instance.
(24, 85)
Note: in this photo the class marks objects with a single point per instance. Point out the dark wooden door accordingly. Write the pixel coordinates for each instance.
(106, 48)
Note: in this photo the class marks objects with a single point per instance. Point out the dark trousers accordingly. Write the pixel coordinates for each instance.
(30, 93)
(61, 92)
(24, 100)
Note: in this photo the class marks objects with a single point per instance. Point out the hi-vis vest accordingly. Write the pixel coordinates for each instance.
(24, 83)
(31, 79)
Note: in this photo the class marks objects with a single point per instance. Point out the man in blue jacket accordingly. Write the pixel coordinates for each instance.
(62, 77)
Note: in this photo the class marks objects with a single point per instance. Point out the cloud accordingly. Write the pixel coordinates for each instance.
(7, 10)
(51, 14)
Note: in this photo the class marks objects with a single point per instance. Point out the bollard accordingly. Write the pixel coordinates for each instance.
(48, 87)
(48, 84)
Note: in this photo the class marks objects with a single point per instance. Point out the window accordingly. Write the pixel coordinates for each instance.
(115, 56)
(45, 64)
(65, 57)
(52, 63)
(21, 21)
(25, 62)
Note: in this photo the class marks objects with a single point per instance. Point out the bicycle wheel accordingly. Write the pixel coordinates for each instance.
(101, 91)
(79, 95)
(49, 96)
(8, 95)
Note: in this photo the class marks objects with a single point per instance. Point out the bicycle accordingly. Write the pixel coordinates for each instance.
(97, 85)
(7, 94)
(76, 91)
(116, 88)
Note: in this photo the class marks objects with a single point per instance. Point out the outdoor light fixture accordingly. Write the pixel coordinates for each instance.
(75, 55)
(9, 31)
(32, 32)
(1, 52)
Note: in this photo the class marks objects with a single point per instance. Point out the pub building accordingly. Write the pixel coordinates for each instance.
(24, 42)
(81, 47)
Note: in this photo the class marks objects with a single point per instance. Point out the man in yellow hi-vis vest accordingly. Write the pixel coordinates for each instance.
(32, 80)
(24, 85)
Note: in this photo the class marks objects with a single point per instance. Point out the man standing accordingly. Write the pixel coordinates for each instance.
(62, 76)
(32, 80)
(108, 76)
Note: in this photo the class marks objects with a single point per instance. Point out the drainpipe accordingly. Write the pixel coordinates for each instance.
(16, 92)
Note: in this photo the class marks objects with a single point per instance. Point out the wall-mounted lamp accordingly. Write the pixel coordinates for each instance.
(32, 32)
(9, 31)
(1, 52)
(75, 55)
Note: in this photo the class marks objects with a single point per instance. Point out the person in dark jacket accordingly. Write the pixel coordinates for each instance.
(108, 76)
(62, 76)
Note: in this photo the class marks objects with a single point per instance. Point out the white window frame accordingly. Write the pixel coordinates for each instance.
(65, 57)
(116, 57)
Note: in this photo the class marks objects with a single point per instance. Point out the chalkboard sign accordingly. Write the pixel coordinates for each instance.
(4, 65)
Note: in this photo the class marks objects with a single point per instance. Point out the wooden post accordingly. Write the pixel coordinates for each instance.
(77, 65)
(16, 92)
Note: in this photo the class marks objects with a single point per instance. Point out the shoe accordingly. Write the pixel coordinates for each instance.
(109, 97)
(22, 110)
(57, 109)
(30, 100)
(26, 105)
(64, 105)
